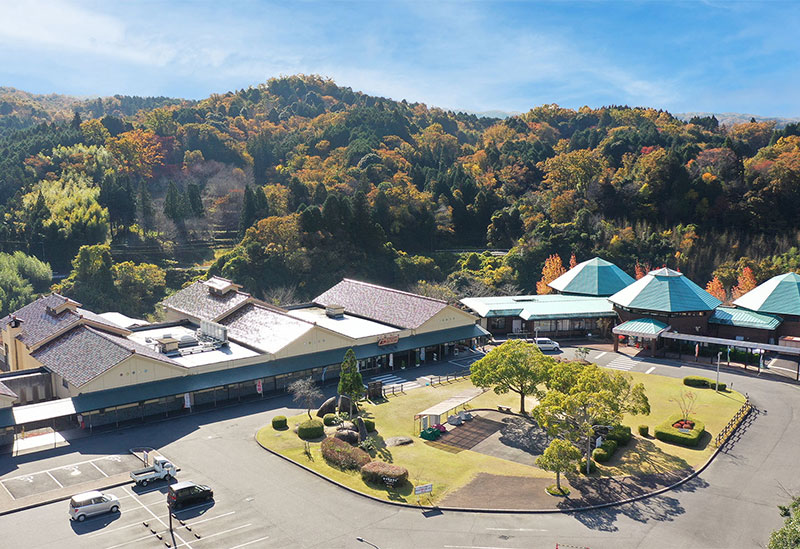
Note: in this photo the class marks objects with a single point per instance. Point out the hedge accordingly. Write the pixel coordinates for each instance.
(702, 382)
(379, 472)
(330, 419)
(598, 454)
(665, 432)
(644, 430)
(312, 428)
(621, 434)
(279, 422)
(369, 424)
(582, 467)
(340, 454)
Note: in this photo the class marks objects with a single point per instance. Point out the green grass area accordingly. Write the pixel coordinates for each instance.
(449, 470)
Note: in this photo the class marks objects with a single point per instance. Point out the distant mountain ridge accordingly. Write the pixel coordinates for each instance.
(731, 118)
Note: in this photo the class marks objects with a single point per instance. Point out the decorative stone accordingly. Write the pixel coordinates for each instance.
(347, 426)
(350, 437)
(362, 430)
(328, 407)
(398, 441)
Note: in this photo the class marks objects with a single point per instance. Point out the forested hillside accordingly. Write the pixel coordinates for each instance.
(287, 186)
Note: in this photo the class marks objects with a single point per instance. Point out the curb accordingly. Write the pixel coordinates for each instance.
(503, 511)
(56, 500)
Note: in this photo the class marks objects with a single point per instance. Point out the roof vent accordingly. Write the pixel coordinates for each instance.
(334, 311)
(220, 286)
(15, 322)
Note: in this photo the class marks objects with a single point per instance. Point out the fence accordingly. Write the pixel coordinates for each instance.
(396, 390)
(728, 430)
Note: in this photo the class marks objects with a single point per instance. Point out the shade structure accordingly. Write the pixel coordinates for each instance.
(779, 295)
(641, 327)
(595, 277)
(665, 291)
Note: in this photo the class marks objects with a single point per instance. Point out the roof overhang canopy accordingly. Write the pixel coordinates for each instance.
(641, 327)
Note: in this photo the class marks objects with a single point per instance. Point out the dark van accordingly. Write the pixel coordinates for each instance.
(181, 493)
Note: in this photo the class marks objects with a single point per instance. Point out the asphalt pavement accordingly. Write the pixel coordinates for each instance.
(263, 501)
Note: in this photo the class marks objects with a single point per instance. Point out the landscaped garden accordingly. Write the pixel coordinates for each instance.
(378, 467)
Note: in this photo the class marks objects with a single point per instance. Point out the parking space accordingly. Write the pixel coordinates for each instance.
(144, 522)
(69, 475)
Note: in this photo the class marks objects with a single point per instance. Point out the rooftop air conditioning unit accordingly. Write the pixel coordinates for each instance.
(214, 331)
(334, 311)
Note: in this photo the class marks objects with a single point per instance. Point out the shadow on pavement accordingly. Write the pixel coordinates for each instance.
(92, 524)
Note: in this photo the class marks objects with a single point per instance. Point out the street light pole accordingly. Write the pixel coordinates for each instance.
(719, 357)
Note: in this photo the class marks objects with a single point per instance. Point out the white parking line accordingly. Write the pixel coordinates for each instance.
(62, 467)
(158, 519)
(214, 535)
(99, 469)
(129, 542)
(518, 529)
(138, 522)
(6, 489)
(54, 479)
(476, 547)
(250, 543)
(600, 355)
(650, 370)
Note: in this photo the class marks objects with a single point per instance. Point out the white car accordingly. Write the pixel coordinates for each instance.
(88, 504)
(546, 344)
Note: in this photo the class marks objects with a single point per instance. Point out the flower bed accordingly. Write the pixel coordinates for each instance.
(667, 432)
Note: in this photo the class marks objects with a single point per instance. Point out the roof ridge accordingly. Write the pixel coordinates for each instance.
(395, 291)
(276, 310)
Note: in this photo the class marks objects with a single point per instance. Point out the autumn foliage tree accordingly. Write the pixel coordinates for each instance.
(553, 268)
(573, 262)
(715, 288)
(746, 282)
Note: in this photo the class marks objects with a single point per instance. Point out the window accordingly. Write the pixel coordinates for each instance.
(64, 383)
(497, 323)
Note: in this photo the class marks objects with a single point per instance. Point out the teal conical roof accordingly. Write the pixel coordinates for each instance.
(596, 277)
(665, 290)
(779, 295)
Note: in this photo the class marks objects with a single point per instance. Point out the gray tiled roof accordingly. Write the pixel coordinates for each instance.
(96, 318)
(385, 305)
(198, 301)
(263, 328)
(37, 323)
(84, 353)
(4, 390)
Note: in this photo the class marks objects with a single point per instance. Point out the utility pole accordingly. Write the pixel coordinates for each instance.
(719, 357)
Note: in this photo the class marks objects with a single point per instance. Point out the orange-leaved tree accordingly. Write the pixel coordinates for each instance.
(745, 283)
(553, 268)
(715, 288)
(573, 262)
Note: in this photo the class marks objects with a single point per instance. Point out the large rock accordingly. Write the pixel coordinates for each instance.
(398, 441)
(350, 437)
(344, 404)
(347, 426)
(328, 407)
(362, 430)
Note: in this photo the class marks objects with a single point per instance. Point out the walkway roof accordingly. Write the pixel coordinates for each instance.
(744, 318)
(641, 327)
(541, 307)
(778, 295)
(665, 290)
(595, 277)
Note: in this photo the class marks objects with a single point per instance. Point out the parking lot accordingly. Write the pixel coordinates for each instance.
(69, 475)
(144, 522)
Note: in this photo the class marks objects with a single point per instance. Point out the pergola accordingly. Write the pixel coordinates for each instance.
(433, 415)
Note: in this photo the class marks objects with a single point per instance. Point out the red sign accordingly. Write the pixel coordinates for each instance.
(390, 339)
(259, 387)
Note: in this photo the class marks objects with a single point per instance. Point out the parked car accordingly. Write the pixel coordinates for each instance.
(92, 503)
(161, 468)
(182, 493)
(546, 344)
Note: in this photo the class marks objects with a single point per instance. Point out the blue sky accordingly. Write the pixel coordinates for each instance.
(682, 56)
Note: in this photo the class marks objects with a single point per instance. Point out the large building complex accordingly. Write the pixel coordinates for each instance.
(68, 365)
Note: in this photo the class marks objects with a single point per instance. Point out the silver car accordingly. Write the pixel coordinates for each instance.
(546, 344)
(93, 503)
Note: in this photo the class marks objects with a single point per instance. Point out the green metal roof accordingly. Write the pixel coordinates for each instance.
(596, 277)
(744, 318)
(778, 295)
(641, 327)
(665, 290)
(541, 307)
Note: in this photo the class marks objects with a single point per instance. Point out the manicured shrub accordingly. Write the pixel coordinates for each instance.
(330, 420)
(702, 382)
(340, 454)
(312, 428)
(609, 446)
(644, 430)
(598, 454)
(621, 434)
(667, 433)
(369, 424)
(279, 422)
(379, 472)
(582, 467)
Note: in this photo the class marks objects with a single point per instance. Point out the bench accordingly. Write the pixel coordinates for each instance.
(504, 409)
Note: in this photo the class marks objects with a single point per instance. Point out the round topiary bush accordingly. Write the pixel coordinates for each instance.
(330, 420)
(312, 428)
(592, 466)
(279, 422)
(369, 424)
(340, 454)
(379, 472)
(598, 454)
(644, 430)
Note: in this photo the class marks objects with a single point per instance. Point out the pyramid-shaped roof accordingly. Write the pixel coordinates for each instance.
(665, 290)
(779, 295)
(596, 277)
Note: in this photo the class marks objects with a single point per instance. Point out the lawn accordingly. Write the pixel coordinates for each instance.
(449, 471)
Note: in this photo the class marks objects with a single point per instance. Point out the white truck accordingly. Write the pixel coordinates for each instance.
(162, 468)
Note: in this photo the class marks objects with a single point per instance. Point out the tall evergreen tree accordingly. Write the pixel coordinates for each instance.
(194, 200)
(173, 204)
(145, 205)
(248, 215)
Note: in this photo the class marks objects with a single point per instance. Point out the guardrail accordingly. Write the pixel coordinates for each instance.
(396, 390)
(737, 419)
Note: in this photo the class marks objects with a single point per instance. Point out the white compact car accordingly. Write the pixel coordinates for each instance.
(93, 503)
(546, 344)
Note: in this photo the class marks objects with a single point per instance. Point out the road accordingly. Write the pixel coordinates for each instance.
(263, 501)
